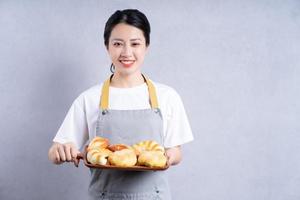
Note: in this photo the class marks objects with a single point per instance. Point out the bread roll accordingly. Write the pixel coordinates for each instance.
(98, 142)
(123, 158)
(118, 147)
(152, 159)
(98, 156)
(148, 145)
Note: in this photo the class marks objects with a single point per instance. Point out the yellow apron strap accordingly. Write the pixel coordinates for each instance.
(105, 94)
(152, 93)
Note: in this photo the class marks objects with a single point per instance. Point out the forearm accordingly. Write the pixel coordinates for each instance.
(174, 155)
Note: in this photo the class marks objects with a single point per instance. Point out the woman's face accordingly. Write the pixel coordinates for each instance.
(127, 48)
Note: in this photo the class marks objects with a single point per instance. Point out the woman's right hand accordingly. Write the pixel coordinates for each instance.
(60, 153)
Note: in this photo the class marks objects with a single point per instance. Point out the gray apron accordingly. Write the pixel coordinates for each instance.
(129, 127)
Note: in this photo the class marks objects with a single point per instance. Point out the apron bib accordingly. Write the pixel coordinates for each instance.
(129, 127)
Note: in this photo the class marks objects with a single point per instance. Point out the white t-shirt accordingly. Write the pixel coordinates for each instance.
(80, 121)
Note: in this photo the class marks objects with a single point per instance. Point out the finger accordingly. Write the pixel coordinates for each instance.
(74, 152)
(61, 152)
(57, 158)
(67, 150)
(169, 158)
(169, 162)
(76, 162)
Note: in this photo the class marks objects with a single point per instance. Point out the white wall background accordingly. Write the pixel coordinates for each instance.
(236, 65)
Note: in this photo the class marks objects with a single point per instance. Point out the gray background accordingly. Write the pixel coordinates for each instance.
(235, 65)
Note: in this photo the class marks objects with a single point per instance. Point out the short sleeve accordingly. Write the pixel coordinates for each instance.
(74, 127)
(178, 130)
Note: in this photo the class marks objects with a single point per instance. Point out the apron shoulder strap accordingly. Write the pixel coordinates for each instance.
(152, 93)
(105, 94)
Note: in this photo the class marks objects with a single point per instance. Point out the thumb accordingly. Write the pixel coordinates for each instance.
(74, 153)
(169, 158)
(76, 162)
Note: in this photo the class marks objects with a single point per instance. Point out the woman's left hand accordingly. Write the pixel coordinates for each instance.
(174, 155)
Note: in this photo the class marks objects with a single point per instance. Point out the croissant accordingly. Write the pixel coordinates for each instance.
(148, 145)
(123, 158)
(152, 159)
(98, 156)
(98, 142)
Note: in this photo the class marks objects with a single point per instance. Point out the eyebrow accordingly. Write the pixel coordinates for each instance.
(118, 39)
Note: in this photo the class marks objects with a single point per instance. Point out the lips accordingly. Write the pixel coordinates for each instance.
(127, 63)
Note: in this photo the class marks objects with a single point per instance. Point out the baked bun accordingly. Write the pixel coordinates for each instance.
(152, 159)
(123, 158)
(118, 147)
(148, 145)
(98, 156)
(98, 143)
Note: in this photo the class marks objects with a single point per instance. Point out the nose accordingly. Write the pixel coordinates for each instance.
(127, 50)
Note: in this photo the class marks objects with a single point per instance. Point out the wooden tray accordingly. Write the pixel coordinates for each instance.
(133, 168)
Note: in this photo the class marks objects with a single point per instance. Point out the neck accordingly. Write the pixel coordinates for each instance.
(126, 81)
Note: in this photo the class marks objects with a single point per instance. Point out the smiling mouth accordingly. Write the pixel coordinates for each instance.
(127, 63)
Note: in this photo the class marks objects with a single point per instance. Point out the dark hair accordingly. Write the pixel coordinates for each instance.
(131, 17)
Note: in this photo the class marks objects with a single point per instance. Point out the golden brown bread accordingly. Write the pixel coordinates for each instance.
(118, 147)
(98, 156)
(148, 145)
(98, 142)
(152, 159)
(123, 158)
(146, 153)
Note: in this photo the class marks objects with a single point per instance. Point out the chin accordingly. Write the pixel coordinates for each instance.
(127, 71)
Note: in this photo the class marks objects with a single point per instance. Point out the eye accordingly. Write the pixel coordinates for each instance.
(117, 44)
(135, 44)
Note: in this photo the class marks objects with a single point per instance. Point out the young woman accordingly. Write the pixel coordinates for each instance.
(132, 109)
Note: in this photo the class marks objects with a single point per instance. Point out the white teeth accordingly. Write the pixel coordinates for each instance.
(127, 61)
